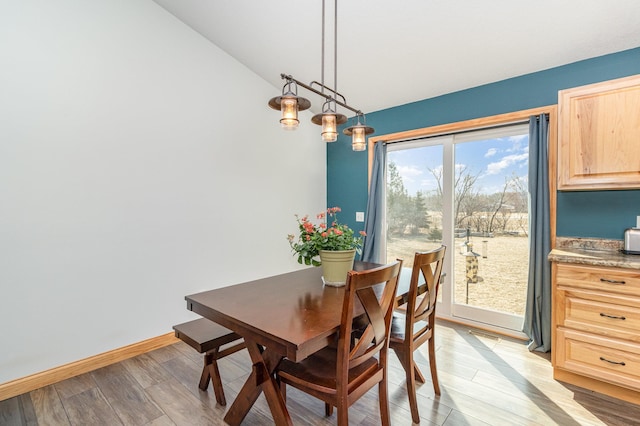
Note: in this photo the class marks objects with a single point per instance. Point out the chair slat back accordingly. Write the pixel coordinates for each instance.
(429, 265)
(378, 306)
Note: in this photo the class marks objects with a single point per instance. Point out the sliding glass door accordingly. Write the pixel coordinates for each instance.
(469, 192)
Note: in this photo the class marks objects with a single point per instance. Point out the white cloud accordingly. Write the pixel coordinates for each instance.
(517, 142)
(490, 153)
(409, 171)
(498, 166)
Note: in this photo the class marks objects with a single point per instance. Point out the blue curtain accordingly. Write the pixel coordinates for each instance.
(374, 219)
(537, 317)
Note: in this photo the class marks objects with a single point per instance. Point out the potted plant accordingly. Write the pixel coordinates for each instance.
(328, 243)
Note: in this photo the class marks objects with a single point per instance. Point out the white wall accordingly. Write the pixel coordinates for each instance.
(138, 163)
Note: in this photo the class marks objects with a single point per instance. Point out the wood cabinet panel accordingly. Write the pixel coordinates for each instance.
(599, 136)
(616, 362)
(606, 319)
(609, 280)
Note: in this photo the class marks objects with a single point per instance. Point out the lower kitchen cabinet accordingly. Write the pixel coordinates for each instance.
(596, 328)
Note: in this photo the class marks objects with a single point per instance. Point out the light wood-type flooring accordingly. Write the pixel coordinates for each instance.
(485, 380)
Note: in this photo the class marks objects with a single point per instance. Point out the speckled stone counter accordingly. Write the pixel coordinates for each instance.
(593, 251)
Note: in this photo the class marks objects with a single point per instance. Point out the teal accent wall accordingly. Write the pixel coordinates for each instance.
(595, 214)
(598, 214)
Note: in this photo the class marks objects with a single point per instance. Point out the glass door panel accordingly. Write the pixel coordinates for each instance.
(414, 202)
(491, 256)
(468, 191)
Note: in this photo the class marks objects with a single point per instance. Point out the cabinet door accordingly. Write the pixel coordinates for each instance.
(599, 136)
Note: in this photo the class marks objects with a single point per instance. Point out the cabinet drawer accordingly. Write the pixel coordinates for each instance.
(607, 319)
(610, 360)
(611, 280)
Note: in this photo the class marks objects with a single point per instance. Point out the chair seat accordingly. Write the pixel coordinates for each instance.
(398, 326)
(320, 369)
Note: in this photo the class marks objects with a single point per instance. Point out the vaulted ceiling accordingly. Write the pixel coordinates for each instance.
(396, 52)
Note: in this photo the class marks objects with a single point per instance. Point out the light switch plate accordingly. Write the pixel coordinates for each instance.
(360, 217)
(637, 221)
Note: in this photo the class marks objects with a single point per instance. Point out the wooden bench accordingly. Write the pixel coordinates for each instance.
(207, 337)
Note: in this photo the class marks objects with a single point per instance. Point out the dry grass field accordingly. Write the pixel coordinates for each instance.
(502, 284)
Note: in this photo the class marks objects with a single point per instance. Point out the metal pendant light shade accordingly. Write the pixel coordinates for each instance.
(358, 133)
(289, 104)
(329, 120)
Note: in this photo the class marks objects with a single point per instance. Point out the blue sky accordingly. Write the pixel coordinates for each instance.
(493, 159)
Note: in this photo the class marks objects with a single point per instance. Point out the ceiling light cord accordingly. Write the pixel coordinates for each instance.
(335, 46)
(322, 52)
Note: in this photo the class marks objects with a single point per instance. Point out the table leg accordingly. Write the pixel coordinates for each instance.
(260, 380)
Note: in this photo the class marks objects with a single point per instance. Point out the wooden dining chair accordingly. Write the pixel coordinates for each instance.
(340, 374)
(413, 322)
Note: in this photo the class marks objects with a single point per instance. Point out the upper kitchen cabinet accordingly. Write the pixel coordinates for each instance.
(599, 136)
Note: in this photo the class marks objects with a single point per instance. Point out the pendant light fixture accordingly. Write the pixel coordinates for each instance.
(290, 103)
(359, 133)
(329, 119)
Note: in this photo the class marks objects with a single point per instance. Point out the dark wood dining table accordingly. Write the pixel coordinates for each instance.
(291, 315)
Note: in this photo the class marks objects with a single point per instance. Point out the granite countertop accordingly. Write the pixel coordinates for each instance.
(593, 251)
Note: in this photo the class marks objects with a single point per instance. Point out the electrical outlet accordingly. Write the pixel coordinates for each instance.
(637, 221)
(360, 217)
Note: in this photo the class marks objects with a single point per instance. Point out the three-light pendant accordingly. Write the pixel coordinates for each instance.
(289, 103)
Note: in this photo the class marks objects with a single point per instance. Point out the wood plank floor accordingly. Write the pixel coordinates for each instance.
(485, 380)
